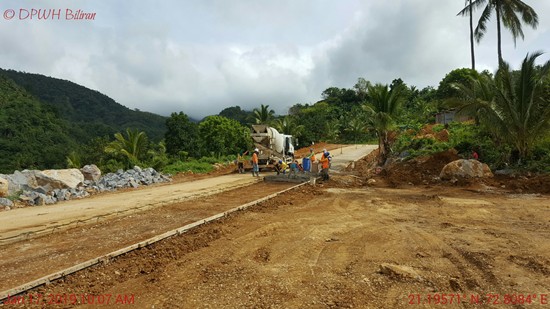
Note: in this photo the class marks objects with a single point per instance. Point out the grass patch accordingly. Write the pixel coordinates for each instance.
(194, 166)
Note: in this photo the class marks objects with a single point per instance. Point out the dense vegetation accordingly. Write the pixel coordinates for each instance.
(49, 123)
(31, 136)
(88, 113)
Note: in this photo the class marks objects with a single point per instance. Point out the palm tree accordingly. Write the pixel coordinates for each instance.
(133, 146)
(74, 160)
(288, 125)
(383, 106)
(516, 107)
(469, 12)
(507, 12)
(332, 130)
(263, 115)
(355, 127)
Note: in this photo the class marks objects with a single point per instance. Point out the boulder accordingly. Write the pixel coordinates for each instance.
(4, 187)
(23, 180)
(59, 179)
(465, 169)
(91, 172)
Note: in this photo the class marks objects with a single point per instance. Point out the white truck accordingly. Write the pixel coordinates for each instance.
(272, 145)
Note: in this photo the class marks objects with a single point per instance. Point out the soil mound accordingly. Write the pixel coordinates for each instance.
(420, 170)
(426, 170)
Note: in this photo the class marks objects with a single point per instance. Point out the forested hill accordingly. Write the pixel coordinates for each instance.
(89, 113)
(31, 136)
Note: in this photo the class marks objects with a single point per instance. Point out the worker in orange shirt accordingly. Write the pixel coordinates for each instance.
(255, 167)
(325, 164)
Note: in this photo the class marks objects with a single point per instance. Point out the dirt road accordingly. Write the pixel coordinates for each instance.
(334, 247)
(31, 221)
(75, 231)
(44, 219)
(25, 260)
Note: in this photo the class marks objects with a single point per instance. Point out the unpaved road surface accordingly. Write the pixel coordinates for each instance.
(344, 246)
(34, 258)
(336, 245)
(33, 220)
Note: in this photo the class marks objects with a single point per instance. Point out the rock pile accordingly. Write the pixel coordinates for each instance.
(48, 187)
(127, 179)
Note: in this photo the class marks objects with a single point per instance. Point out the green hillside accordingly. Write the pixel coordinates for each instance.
(31, 136)
(88, 112)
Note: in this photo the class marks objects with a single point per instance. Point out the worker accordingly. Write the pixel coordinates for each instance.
(311, 155)
(312, 161)
(284, 166)
(325, 164)
(255, 167)
(281, 167)
(277, 166)
(240, 161)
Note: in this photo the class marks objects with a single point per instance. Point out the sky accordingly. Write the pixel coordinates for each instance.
(201, 56)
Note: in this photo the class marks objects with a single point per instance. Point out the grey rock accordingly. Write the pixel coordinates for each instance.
(91, 172)
(5, 202)
(49, 200)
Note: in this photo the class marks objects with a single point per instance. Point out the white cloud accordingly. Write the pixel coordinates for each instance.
(202, 56)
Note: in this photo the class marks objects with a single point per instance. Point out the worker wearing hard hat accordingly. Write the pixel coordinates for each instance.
(255, 167)
(325, 164)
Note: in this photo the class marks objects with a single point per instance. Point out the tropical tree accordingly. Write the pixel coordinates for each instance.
(469, 12)
(382, 107)
(516, 107)
(446, 89)
(263, 115)
(507, 12)
(332, 130)
(74, 160)
(133, 146)
(356, 126)
(222, 136)
(182, 135)
(289, 125)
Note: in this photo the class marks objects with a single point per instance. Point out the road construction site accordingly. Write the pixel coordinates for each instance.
(338, 244)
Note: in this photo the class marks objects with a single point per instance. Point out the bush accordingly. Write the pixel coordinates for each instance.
(193, 166)
(220, 159)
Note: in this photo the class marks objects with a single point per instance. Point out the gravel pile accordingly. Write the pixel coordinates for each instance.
(132, 178)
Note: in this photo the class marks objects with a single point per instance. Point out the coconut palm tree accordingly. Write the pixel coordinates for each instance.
(515, 106)
(263, 115)
(289, 125)
(133, 146)
(356, 126)
(332, 130)
(383, 106)
(469, 12)
(507, 12)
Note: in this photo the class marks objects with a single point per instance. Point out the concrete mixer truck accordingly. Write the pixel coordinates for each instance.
(272, 145)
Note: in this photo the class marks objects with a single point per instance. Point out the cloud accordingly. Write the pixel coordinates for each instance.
(202, 56)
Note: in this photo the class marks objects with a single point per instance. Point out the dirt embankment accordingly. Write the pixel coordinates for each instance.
(425, 171)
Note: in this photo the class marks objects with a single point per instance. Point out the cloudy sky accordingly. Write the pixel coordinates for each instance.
(200, 56)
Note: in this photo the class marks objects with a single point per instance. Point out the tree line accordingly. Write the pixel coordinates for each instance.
(49, 123)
